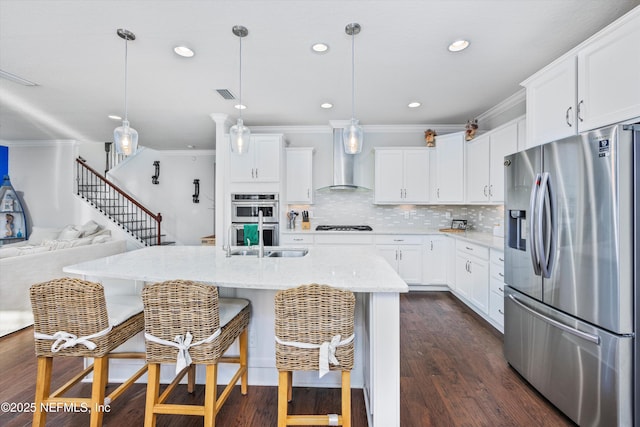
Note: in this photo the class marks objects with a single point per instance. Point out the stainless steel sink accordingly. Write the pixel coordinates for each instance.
(287, 253)
(244, 252)
(271, 253)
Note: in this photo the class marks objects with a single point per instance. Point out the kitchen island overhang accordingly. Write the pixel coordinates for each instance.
(356, 268)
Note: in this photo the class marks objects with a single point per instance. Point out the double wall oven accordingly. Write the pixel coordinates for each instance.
(244, 210)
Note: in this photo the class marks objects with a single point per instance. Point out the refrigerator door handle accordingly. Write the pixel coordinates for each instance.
(585, 336)
(546, 242)
(535, 260)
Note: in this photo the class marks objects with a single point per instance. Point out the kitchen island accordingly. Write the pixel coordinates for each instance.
(358, 269)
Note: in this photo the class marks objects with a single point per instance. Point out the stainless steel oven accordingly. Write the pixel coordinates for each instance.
(245, 208)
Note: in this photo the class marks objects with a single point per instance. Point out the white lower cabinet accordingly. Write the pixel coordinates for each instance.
(436, 257)
(343, 239)
(404, 254)
(296, 240)
(496, 287)
(472, 274)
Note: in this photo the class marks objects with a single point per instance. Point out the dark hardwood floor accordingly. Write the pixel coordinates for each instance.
(453, 374)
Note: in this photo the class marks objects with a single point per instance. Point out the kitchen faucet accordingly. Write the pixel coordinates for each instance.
(228, 247)
(260, 240)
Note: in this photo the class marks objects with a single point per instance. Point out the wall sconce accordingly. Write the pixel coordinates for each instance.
(154, 178)
(196, 182)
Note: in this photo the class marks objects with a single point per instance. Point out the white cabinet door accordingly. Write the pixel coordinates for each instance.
(416, 176)
(410, 263)
(402, 175)
(449, 169)
(299, 175)
(464, 284)
(479, 270)
(504, 141)
(608, 75)
(551, 103)
(260, 164)
(389, 179)
(478, 164)
(437, 255)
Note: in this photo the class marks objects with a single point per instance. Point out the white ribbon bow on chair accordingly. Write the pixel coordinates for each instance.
(183, 344)
(67, 340)
(327, 351)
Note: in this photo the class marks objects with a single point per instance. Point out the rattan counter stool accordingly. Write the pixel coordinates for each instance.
(186, 324)
(314, 332)
(73, 318)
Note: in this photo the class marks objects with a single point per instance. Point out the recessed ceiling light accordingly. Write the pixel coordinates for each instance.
(458, 45)
(114, 117)
(184, 51)
(414, 104)
(326, 105)
(320, 47)
(240, 107)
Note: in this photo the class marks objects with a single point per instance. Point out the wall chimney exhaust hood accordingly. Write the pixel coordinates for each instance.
(343, 167)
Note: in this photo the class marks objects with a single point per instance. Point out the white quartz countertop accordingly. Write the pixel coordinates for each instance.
(358, 270)
(485, 239)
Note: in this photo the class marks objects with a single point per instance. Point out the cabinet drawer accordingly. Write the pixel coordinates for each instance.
(344, 239)
(497, 286)
(473, 249)
(497, 257)
(296, 239)
(496, 307)
(399, 239)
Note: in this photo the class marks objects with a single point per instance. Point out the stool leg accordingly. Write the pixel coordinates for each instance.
(153, 390)
(244, 339)
(283, 387)
(191, 378)
(100, 373)
(346, 398)
(210, 395)
(289, 386)
(43, 388)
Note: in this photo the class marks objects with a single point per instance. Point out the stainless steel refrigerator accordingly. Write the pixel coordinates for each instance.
(571, 269)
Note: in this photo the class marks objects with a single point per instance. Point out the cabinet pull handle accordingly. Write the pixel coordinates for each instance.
(398, 240)
(308, 192)
(491, 190)
(501, 259)
(485, 191)
(500, 274)
(400, 254)
(401, 193)
(256, 173)
(466, 267)
(469, 266)
(500, 311)
(501, 290)
(566, 117)
(580, 110)
(432, 245)
(468, 248)
(297, 239)
(396, 254)
(438, 192)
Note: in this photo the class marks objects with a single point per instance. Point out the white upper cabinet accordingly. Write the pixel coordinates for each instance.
(261, 163)
(551, 103)
(594, 85)
(504, 141)
(401, 175)
(447, 168)
(478, 165)
(609, 75)
(299, 185)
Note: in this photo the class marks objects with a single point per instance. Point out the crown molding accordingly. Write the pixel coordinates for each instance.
(519, 97)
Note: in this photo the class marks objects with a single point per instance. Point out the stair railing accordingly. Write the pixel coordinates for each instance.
(118, 205)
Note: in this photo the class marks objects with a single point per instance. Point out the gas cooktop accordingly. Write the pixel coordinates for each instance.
(343, 228)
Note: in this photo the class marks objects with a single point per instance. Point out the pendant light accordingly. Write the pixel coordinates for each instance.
(239, 134)
(125, 137)
(352, 135)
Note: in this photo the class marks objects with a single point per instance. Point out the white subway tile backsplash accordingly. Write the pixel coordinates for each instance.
(356, 207)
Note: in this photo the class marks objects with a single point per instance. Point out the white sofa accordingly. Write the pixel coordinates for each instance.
(42, 258)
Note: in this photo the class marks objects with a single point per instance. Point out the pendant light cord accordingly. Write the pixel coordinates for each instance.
(353, 78)
(240, 107)
(126, 44)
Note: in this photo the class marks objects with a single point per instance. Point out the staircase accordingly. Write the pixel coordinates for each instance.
(118, 206)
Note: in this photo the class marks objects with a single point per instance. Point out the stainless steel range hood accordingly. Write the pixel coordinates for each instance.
(343, 167)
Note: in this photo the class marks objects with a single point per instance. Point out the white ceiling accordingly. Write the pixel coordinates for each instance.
(70, 48)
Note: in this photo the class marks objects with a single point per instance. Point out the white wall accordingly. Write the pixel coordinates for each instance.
(183, 221)
(43, 174)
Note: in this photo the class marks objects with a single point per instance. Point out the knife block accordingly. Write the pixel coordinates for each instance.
(306, 225)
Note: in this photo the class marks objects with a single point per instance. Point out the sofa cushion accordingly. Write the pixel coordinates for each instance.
(68, 233)
(9, 252)
(28, 250)
(38, 234)
(88, 228)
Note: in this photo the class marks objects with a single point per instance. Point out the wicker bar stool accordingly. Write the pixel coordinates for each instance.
(73, 318)
(314, 332)
(186, 324)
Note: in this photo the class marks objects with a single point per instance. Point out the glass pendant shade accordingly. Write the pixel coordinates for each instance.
(126, 139)
(240, 136)
(352, 137)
